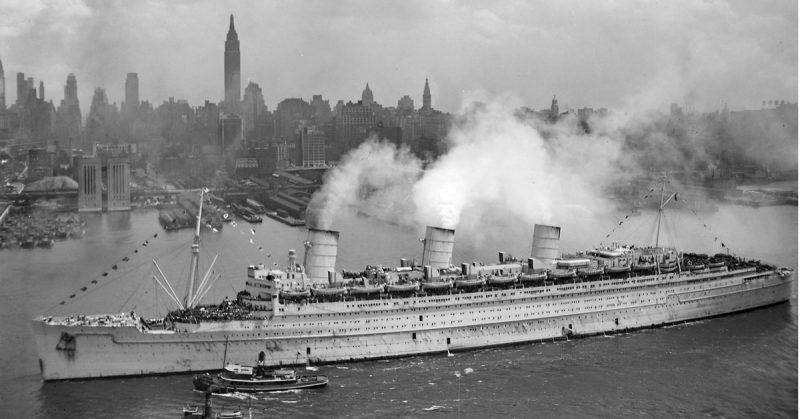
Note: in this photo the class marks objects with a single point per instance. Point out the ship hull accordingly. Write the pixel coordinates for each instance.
(407, 327)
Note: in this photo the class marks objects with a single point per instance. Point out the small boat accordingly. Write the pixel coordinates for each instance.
(716, 265)
(466, 283)
(668, 267)
(45, 241)
(560, 274)
(28, 242)
(364, 290)
(501, 280)
(597, 270)
(328, 292)
(408, 287)
(617, 270)
(229, 414)
(437, 285)
(192, 412)
(641, 267)
(244, 379)
(694, 267)
(534, 277)
(295, 294)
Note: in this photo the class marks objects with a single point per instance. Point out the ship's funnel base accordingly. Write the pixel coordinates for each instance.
(438, 248)
(321, 249)
(545, 247)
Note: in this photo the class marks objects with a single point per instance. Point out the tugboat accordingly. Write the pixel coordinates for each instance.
(245, 379)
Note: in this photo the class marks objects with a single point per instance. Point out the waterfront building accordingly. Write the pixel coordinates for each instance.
(312, 147)
(118, 170)
(40, 164)
(90, 190)
(233, 84)
(230, 135)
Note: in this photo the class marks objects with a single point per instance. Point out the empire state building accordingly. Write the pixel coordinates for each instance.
(233, 84)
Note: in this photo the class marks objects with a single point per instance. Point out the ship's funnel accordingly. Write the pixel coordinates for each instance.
(320, 258)
(545, 245)
(437, 251)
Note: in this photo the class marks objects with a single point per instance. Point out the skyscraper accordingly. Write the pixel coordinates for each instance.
(2, 88)
(22, 89)
(233, 85)
(366, 96)
(132, 91)
(554, 108)
(253, 110)
(68, 115)
(71, 90)
(426, 97)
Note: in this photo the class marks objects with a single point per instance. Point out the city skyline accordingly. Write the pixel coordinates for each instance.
(685, 53)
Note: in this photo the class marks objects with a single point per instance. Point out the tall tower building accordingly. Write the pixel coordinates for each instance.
(2, 88)
(41, 90)
(22, 89)
(68, 116)
(426, 97)
(554, 108)
(71, 90)
(132, 91)
(366, 97)
(233, 85)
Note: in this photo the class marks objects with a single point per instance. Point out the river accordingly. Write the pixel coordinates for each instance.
(742, 365)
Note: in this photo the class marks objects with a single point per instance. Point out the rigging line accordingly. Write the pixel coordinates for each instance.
(101, 285)
(96, 288)
(131, 295)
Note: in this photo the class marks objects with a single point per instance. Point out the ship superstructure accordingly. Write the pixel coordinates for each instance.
(310, 313)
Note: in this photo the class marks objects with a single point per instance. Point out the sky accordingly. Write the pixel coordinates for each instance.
(614, 54)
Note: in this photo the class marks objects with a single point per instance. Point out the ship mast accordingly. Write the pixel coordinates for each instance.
(661, 204)
(194, 270)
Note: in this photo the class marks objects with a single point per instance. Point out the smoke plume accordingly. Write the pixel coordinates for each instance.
(496, 165)
(375, 177)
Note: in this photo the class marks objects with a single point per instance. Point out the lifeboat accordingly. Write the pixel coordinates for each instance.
(399, 288)
(295, 294)
(716, 265)
(437, 285)
(668, 267)
(501, 280)
(364, 290)
(642, 267)
(598, 270)
(328, 292)
(466, 283)
(533, 277)
(561, 274)
(693, 267)
(616, 270)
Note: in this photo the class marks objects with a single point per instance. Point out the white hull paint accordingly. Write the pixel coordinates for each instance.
(370, 329)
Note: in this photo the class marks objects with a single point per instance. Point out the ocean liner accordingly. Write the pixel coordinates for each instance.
(310, 313)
